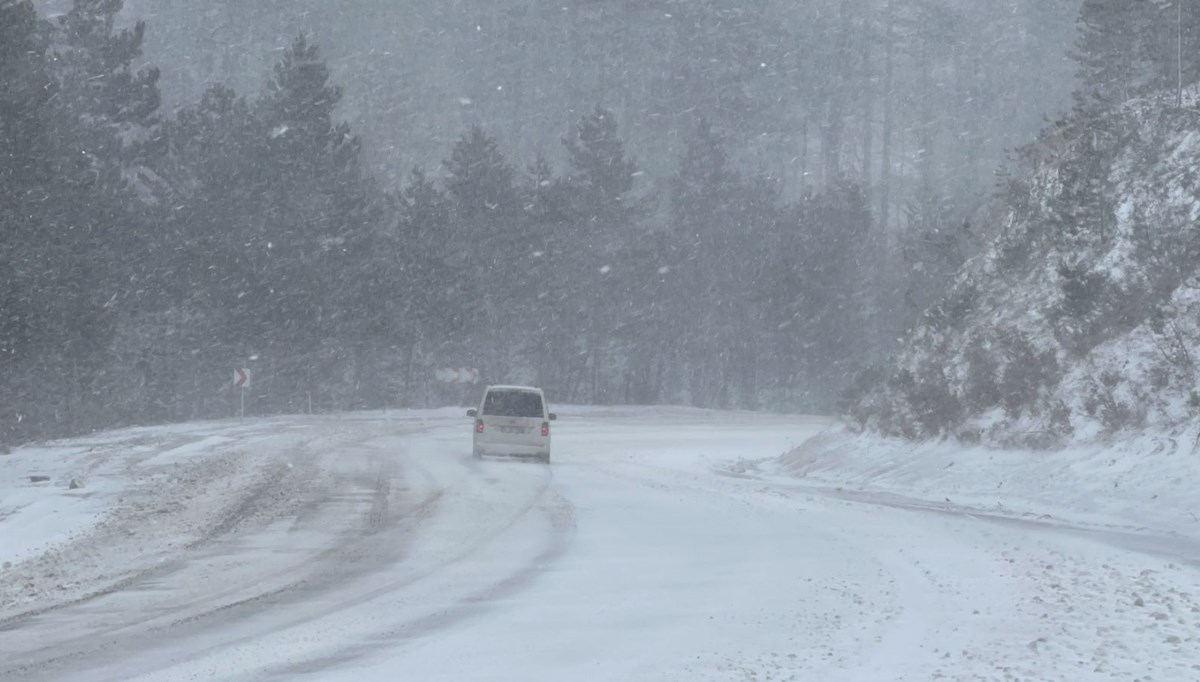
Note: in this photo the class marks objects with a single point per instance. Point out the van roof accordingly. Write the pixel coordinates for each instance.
(532, 389)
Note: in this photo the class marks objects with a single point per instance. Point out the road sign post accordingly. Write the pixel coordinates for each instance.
(241, 381)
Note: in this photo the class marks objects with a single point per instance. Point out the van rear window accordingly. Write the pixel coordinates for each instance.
(513, 404)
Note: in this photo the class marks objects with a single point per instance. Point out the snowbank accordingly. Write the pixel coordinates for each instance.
(1145, 484)
(84, 516)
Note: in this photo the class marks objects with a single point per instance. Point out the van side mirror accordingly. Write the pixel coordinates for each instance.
(472, 413)
(553, 416)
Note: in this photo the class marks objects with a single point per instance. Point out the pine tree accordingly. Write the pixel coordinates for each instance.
(432, 254)
(1174, 44)
(480, 179)
(602, 215)
(314, 204)
(703, 210)
(491, 239)
(100, 86)
(547, 198)
(722, 63)
(216, 148)
(1107, 51)
(298, 109)
(426, 210)
(934, 247)
(373, 311)
(725, 231)
(26, 93)
(1131, 48)
(832, 255)
(601, 175)
(189, 308)
(705, 185)
(425, 235)
(102, 129)
(554, 269)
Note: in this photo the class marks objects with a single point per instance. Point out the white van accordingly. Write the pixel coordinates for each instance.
(512, 421)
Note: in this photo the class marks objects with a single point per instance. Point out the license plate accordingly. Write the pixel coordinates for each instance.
(513, 429)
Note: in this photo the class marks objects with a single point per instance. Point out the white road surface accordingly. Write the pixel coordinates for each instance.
(373, 547)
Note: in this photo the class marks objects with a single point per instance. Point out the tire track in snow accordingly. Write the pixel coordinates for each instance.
(351, 573)
(562, 522)
(288, 473)
(250, 503)
(561, 516)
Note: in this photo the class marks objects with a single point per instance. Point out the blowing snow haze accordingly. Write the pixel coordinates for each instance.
(844, 340)
(686, 202)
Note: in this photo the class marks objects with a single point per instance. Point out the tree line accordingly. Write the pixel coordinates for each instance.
(143, 256)
(1130, 49)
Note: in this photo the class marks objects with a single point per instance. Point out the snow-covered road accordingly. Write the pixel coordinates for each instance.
(372, 547)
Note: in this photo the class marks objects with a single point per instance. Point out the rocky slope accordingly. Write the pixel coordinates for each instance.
(1081, 320)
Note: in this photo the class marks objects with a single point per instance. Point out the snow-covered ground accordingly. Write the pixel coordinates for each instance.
(1145, 484)
(662, 544)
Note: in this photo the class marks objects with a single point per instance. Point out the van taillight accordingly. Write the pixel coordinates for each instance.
(478, 426)
(545, 429)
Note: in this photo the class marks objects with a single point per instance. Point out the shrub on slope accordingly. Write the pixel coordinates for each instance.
(1082, 318)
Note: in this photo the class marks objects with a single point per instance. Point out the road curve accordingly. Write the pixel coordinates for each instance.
(377, 546)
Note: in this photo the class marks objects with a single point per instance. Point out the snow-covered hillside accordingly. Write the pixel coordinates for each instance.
(1081, 321)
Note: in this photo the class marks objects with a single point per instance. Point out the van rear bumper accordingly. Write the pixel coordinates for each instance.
(511, 450)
